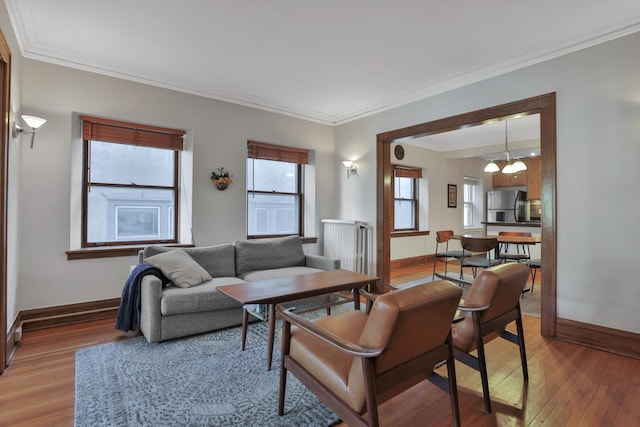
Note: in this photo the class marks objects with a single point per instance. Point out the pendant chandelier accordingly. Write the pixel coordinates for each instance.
(517, 166)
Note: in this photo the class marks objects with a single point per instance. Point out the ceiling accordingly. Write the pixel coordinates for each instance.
(487, 141)
(329, 61)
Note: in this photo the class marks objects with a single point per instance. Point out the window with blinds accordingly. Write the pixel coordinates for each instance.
(274, 190)
(130, 183)
(406, 208)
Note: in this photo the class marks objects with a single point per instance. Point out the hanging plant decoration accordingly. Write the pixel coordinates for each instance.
(221, 178)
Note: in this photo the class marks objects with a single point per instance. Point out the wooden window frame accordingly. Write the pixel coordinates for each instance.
(415, 174)
(469, 181)
(279, 153)
(119, 132)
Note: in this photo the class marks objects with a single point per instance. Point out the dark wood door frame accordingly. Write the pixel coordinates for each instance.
(5, 88)
(545, 105)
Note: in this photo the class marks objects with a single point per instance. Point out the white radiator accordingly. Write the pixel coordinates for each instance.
(350, 242)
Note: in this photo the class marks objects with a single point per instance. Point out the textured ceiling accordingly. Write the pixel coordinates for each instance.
(329, 61)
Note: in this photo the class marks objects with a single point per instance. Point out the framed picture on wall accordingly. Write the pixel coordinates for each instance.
(452, 192)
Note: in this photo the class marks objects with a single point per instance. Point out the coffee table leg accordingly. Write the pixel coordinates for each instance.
(245, 321)
(272, 331)
(356, 298)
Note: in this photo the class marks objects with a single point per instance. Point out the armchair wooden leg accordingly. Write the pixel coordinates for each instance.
(371, 401)
(523, 351)
(453, 385)
(482, 361)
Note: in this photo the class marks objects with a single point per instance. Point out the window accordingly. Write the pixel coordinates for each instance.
(130, 183)
(274, 190)
(472, 204)
(405, 183)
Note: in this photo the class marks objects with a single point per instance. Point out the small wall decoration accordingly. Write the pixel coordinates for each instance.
(221, 178)
(399, 152)
(452, 191)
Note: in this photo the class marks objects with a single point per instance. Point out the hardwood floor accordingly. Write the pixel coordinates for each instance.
(568, 385)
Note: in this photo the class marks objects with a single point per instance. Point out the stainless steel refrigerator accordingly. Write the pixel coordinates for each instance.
(506, 206)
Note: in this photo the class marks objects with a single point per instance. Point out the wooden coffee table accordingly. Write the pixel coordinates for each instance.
(285, 289)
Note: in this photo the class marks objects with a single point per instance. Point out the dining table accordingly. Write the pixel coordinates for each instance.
(505, 238)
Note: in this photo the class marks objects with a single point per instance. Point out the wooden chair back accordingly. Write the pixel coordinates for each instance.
(478, 244)
(444, 236)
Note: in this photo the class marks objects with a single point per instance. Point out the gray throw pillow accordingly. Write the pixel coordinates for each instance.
(180, 268)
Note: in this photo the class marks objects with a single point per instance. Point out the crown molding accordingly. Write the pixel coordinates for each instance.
(32, 48)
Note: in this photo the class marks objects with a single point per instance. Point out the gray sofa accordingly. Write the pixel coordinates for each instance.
(170, 311)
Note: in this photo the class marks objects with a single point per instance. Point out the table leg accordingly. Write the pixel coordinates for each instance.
(356, 298)
(271, 332)
(245, 322)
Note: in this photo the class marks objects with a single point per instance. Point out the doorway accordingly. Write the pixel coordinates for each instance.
(5, 86)
(545, 105)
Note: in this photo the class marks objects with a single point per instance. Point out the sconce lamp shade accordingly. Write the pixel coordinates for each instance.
(351, 168)
(34, 122)
(491, 167)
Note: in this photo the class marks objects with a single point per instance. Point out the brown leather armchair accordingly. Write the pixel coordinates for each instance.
(353, 361)
(492, 303)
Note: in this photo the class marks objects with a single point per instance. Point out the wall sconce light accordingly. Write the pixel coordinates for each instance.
(33, 122)
(351, 168)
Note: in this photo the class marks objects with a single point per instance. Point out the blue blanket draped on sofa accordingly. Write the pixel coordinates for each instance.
(128, 318)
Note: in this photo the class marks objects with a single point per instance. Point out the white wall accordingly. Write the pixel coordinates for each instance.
(218, 131)
(598, 147)
(14, 162)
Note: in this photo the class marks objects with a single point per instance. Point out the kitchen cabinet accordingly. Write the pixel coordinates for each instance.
(508, 180)
(534, 190)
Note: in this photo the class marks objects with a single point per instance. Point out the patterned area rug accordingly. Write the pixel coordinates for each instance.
(199, 381)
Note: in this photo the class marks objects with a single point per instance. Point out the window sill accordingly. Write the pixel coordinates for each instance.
(409, 233)
(112, 251)
(305, 240)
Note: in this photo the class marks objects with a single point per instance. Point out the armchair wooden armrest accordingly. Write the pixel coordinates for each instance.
(369, 296)
(326, 336)
(454, 279)
(473, 308)
(468, 308)
(391, 287)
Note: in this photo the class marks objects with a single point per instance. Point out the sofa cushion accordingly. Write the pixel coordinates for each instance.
(204, 297)
(253, 276)
(218, 260)
(267, 254)
(179, 267)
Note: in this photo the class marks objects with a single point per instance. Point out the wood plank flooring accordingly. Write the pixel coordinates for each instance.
(568, 385)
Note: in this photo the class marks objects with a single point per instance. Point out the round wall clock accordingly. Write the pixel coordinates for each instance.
(399, 152)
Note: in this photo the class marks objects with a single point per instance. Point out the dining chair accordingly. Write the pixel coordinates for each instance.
(443, 237)
(493, 301)
(534, 265)
(521, 250)
(353, 361)
(474, 247)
